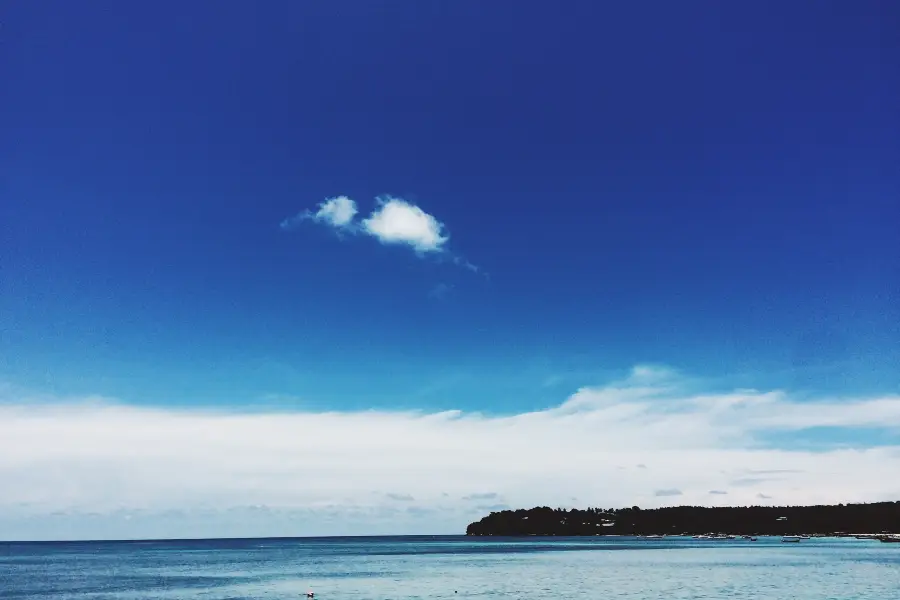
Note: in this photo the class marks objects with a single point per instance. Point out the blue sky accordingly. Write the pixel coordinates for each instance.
(543, 201)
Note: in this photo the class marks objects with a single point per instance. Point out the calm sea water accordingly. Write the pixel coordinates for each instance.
(433, 568)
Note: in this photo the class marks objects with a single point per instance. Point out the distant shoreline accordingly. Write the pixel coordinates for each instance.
(280, 538)
(840, 520)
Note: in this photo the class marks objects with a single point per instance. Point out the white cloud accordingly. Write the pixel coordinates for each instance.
(338, 212)
(78, 469)
(396, 221)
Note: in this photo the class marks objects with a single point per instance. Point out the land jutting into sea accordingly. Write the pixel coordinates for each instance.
(880, 518)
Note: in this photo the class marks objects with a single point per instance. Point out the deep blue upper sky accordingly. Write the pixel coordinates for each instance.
(709, 185)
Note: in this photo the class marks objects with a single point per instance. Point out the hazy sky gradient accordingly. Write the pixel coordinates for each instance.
(266, 233)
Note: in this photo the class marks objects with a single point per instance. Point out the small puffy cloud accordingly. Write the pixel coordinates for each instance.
(337, 212)
(667, 492)
(396, 221)
(718, 492)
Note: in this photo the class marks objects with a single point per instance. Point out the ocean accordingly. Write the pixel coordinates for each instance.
(445, 567)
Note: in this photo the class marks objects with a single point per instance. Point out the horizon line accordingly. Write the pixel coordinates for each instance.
(416, 535)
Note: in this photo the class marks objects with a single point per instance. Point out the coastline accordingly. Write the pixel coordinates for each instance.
(879, 521)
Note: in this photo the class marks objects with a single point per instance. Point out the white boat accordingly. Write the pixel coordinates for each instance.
(791, 538)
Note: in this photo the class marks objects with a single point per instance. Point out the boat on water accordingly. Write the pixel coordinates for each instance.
(890, 539)
(795, 539)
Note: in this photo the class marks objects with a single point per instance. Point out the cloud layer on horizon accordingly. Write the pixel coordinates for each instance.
(89, 465)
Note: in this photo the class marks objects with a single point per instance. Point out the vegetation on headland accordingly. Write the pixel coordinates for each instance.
(838, 519)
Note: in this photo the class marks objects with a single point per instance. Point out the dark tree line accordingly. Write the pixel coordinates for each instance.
(694, 520)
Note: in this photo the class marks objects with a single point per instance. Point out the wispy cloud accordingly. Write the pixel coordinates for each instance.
(394, 221)
(315, 472)
(552, 380)
(771, 471)
(440, 291)
(718, 492)
(400, 497)
(748, 481)
(488, 508)
(482, 496)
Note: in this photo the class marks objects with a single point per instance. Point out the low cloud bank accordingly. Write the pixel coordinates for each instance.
(91, 464)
